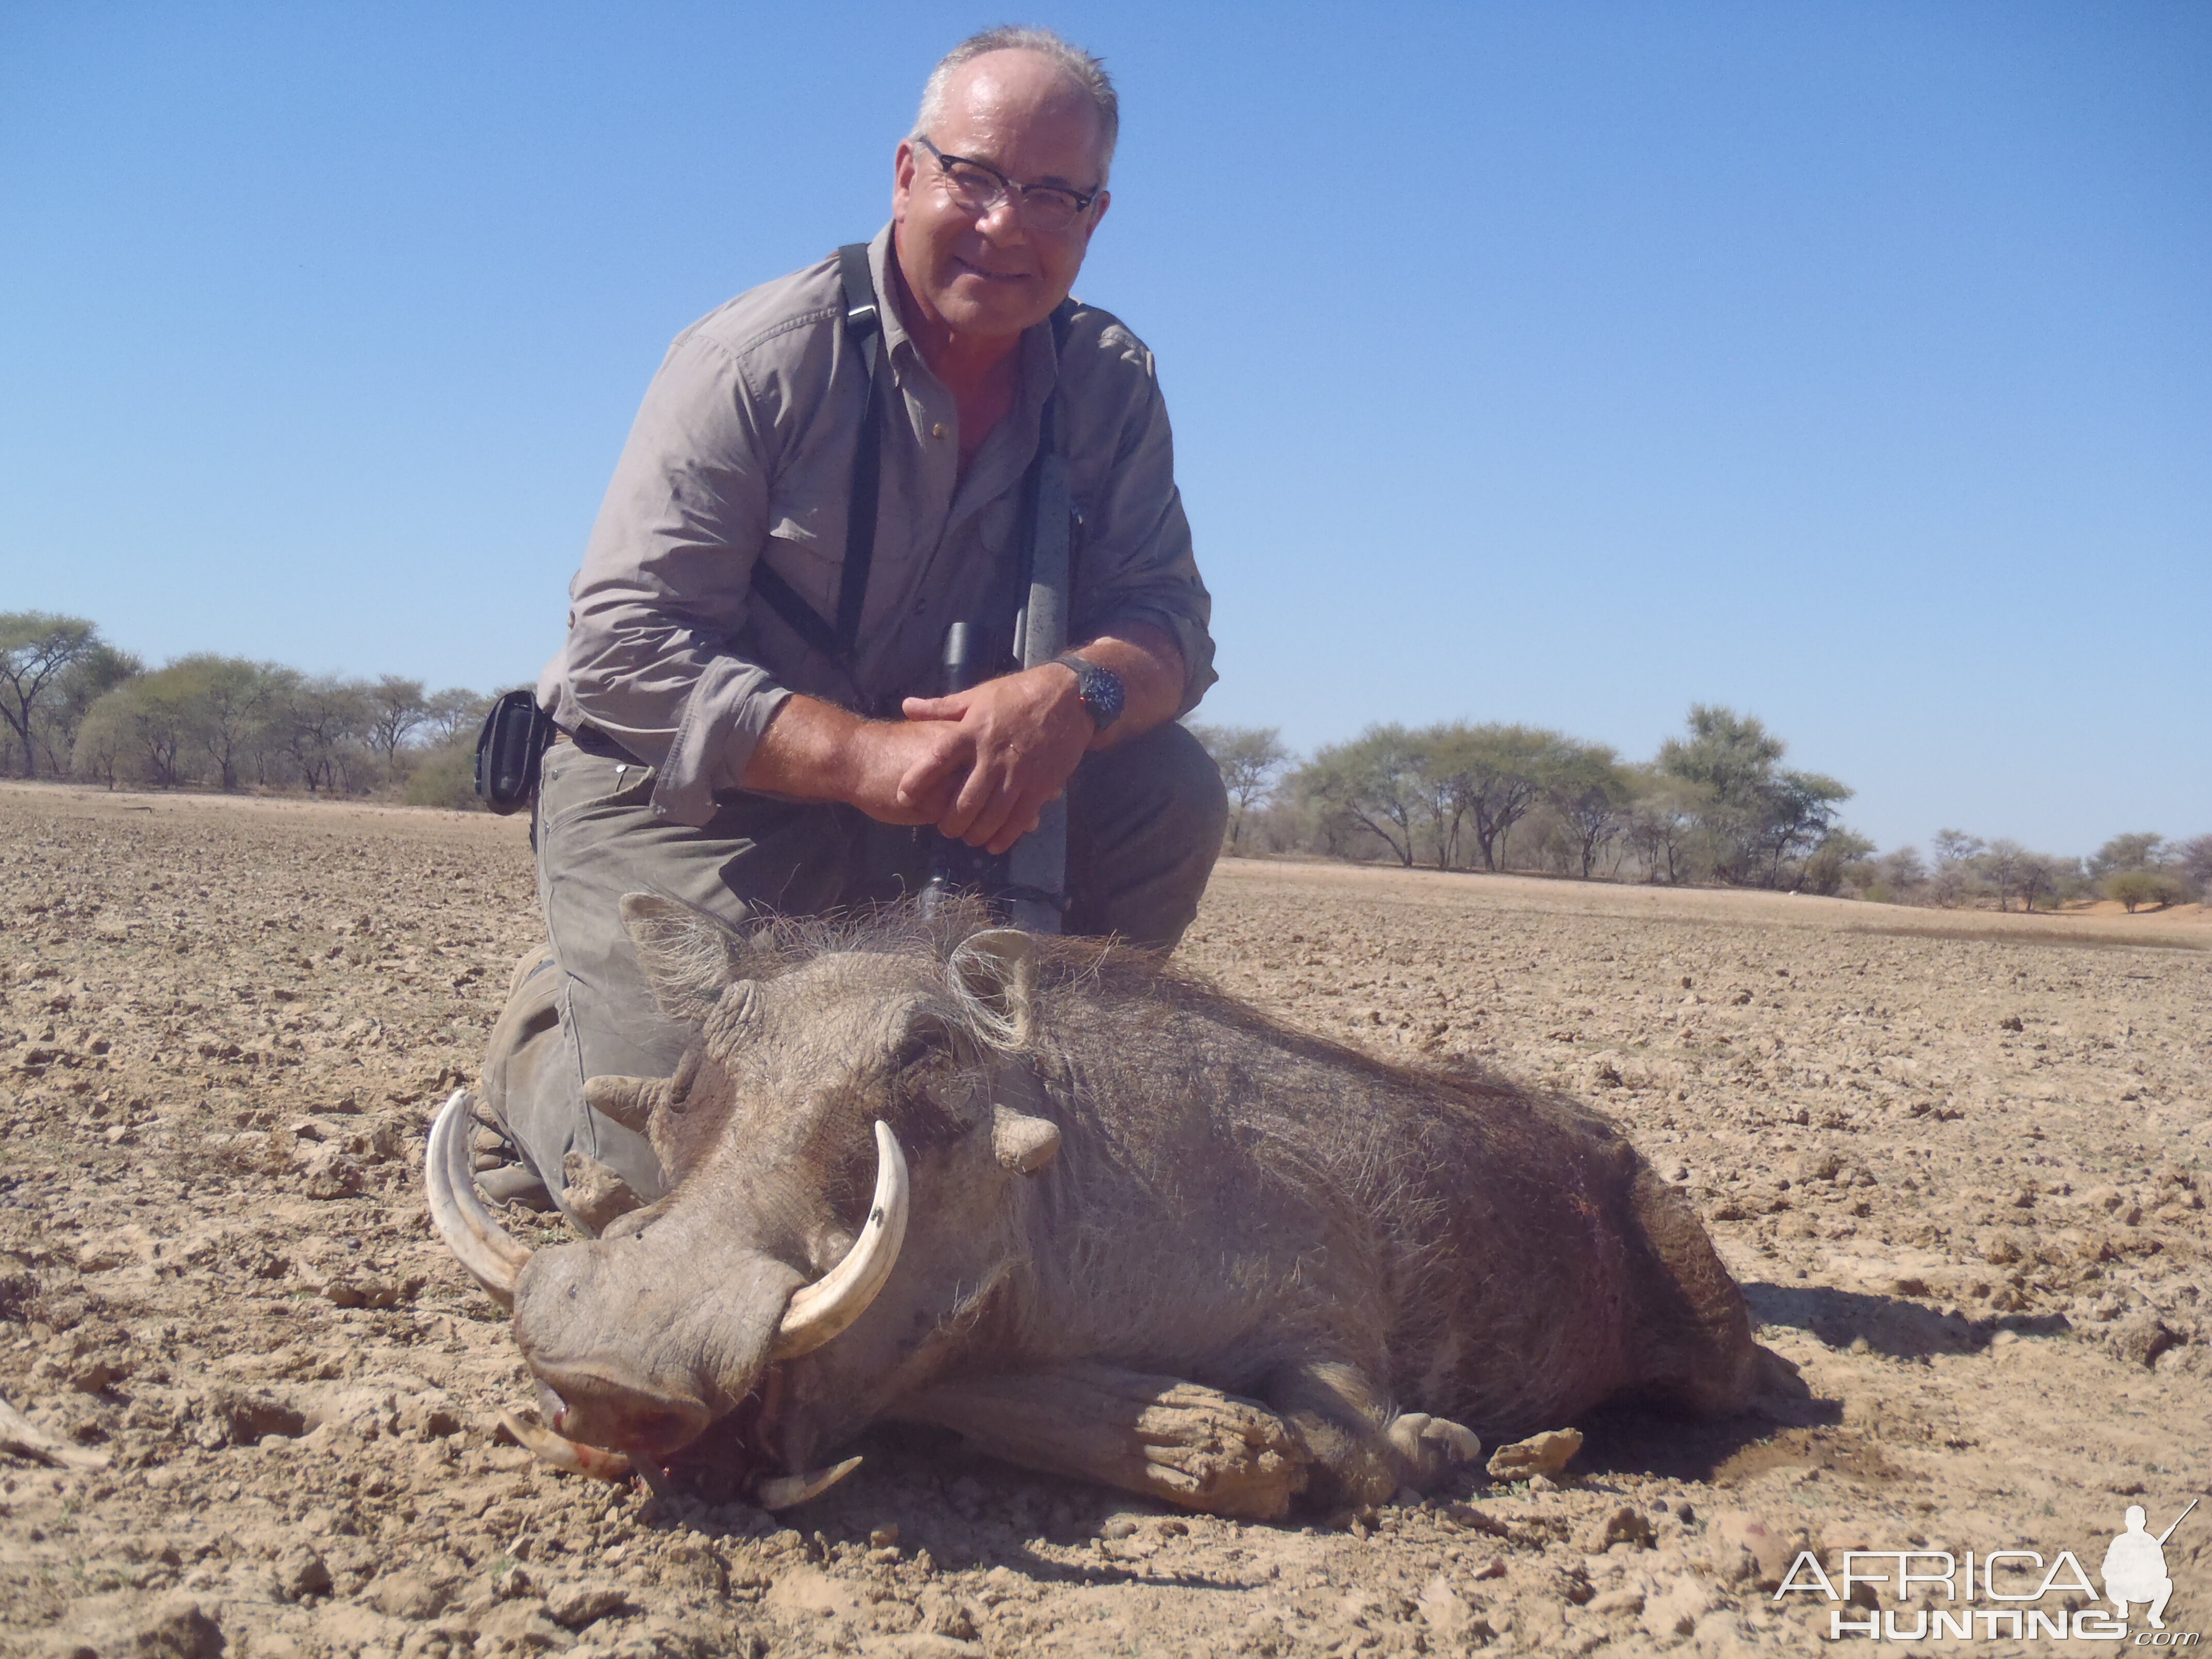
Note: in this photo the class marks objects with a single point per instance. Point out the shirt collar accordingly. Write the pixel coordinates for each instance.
(1040, 363)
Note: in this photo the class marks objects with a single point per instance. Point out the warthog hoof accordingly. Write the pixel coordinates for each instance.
(1433, 1447)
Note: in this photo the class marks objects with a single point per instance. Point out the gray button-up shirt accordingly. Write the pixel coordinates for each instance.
(743, 450)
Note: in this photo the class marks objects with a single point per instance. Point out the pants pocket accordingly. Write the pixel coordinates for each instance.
(572, 783)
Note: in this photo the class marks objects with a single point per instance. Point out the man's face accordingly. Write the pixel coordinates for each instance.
(998, 273)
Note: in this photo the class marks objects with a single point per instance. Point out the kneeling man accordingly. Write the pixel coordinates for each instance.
(828, 473)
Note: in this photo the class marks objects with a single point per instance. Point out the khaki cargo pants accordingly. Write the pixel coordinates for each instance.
(1145, 823)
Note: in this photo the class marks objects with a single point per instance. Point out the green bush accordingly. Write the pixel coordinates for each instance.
(446, 777)
(2135, 887)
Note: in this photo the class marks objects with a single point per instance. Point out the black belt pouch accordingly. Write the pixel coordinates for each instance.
(513, 739)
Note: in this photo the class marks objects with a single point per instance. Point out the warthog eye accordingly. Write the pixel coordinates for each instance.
(919, 1046)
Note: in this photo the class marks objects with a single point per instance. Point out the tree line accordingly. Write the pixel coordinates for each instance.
(76, 707)
(1716, 806)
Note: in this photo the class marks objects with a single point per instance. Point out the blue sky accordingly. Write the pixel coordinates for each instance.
(1561, 363)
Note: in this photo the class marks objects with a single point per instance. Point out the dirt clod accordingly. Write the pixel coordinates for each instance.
(1540, 1454)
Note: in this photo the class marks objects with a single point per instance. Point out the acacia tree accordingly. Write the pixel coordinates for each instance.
(1373, 781)
(1665, 816)
(228, 700)
(36, 646)
(2140, 851)
(1999, 865)
(1955, 853)
(1251, 758)
(143, 729)
(1590, 793)
(1903, 872)
(396, 707)
(1760, 817)
(70, 695)
(450, 714)
(325, 721)
(1502, 774)
(2195, 857)
(2041, 877)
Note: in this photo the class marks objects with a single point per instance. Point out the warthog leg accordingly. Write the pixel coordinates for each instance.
(1365, 1450)
(1160, 1435)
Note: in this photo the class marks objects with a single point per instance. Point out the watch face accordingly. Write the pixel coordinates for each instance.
(1102, 693)
(1099, 688)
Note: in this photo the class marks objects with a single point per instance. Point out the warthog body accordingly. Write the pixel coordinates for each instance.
(1155, 1238)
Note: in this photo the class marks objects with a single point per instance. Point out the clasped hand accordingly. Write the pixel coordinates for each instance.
(981, 764)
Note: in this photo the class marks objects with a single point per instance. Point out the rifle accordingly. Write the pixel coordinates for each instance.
(1031, 883)
(2178, 1519)
(954, 866)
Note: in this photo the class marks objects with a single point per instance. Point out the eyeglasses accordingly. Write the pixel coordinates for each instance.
(977, 187)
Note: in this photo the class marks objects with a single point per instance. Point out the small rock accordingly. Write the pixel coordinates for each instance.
(2140, 1340)
(302, 1573)
(428, 1418)
(1442, 1609)
(1540, 1454)
(1763, 1554)
(1625, 1525)
(1675, 1611)
(1617, 1601)
(175, 1629)
(328, 1173)
(407, 1595)
(522, 1624)
(576, 1605)
(92, 1373)
(922, 1644)
(348, 1628)
(244, 1420)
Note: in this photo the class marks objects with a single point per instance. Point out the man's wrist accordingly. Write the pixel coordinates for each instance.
(1097, 688)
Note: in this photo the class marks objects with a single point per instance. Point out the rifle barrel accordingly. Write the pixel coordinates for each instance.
(2178, 1519)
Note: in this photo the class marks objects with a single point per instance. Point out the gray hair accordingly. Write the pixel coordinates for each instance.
(1088, 72)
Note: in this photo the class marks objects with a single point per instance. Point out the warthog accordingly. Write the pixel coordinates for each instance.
(1155, 1238)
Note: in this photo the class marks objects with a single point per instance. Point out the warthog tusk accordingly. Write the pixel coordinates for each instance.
(781, 1491)
(563, 1453)
(479, 1243)
(821, 1311)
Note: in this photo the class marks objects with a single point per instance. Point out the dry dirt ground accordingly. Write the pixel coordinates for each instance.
(1958, 1164)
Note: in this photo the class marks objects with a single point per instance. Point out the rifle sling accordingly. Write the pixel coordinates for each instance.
(864, 328)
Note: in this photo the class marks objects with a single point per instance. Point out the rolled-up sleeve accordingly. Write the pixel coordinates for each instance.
(655, 611)
(1136, 564)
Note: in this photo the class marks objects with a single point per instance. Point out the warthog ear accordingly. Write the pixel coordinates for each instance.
(628, 1100)
(995, 971)
(1023, 1143)
(687, 954)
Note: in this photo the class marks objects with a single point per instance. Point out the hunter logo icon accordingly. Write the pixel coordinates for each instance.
(2135, 1566)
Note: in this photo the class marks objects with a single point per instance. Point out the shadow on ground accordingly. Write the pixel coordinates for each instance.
(1892, 1325)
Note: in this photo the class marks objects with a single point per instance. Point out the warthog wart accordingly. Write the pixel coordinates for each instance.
(1095, 1216)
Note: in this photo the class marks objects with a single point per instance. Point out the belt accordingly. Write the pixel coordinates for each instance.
(593, 741)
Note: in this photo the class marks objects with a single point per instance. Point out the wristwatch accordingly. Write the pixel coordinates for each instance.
(1099, 688)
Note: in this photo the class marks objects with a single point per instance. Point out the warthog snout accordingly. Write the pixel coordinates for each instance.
(639, 1342)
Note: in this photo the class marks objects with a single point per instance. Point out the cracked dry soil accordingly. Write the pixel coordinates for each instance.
(1957, 1162)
